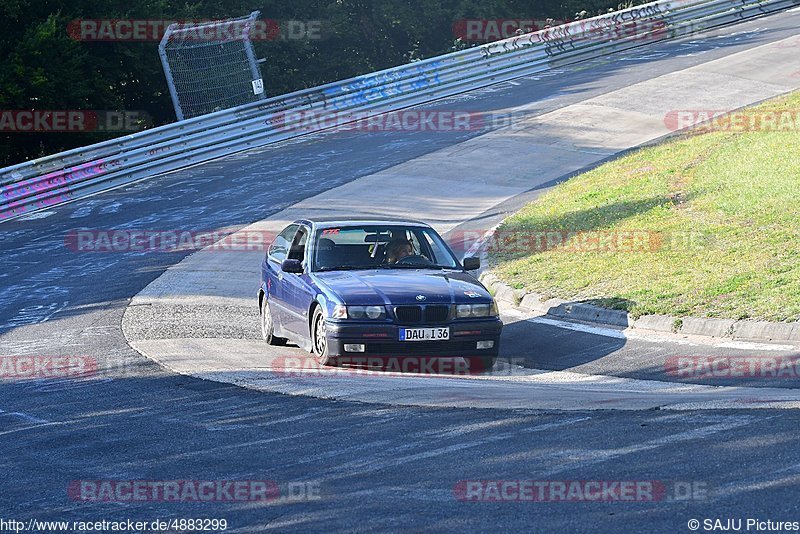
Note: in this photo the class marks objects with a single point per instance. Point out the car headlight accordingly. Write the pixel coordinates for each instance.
(366, 312)
(476, 310)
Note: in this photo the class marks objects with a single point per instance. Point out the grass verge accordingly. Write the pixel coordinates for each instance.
(706, 225)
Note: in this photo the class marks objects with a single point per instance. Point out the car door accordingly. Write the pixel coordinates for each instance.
(299, 292)
(276, 287)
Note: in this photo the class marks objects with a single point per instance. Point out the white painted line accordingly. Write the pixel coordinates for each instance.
(24, 416)
(577, 327)
(652, 338)
(747, 345)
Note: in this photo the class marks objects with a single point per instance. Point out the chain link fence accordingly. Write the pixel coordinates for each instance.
(210, 66)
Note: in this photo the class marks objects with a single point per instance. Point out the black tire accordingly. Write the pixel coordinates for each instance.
(268, 327)
(319, 342)
(480, 364)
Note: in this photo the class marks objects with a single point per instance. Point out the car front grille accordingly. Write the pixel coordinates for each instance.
(408, 314)
(437, 314)
(431, 314)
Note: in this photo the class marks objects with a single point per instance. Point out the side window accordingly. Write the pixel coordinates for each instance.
(280, 246)
(298, 248)
(439, 255)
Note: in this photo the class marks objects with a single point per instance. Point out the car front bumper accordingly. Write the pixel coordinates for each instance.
(384, 340)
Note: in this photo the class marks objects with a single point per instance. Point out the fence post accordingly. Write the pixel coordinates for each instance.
(162, 52)
(251, 57)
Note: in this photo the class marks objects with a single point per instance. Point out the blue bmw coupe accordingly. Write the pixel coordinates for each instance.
(346, 288)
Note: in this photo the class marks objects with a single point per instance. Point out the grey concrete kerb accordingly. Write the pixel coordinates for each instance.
(528, 302)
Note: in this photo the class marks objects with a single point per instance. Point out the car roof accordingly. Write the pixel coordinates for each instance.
(331, 222)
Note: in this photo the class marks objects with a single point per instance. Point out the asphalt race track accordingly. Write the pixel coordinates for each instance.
(391, 466)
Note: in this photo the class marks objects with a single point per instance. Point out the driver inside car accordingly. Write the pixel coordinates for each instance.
(398, 249)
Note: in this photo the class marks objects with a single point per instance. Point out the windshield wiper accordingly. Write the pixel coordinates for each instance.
(414, 266)
(348, 268)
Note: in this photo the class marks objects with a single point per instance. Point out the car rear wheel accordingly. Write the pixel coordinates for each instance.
(319, 341)
(268, 327)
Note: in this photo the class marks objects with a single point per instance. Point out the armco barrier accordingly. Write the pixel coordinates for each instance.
(77, 173)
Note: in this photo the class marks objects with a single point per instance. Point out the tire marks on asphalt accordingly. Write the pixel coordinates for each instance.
(389, 458)
(575, 459)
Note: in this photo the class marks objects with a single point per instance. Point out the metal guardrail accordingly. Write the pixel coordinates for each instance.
(74, 174)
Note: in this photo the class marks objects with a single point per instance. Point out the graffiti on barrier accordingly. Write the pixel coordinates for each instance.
(22, 206)
(646, 23)
(56, 179)
(278, 108)
(159, 150)
(307, 100)
(13, 196)
(383, 85)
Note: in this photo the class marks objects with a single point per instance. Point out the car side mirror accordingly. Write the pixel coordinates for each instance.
(292, 266)
(472, 263)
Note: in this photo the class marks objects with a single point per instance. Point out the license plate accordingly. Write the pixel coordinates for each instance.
(424, 334)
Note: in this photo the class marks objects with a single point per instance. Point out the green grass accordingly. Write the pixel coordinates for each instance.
(727, 205)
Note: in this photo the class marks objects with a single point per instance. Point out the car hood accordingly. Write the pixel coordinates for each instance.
(402, 286)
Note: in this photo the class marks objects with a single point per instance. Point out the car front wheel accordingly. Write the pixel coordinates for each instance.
(268, 327)
(319, 341)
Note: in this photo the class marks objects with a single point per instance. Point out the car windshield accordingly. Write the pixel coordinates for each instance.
(381, 247)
